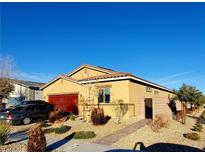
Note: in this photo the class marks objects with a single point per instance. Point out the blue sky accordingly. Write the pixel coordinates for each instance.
(161, 42)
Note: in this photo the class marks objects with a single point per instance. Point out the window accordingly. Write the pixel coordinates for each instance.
(104, 95)
(148, 89)
(100, 96)
(17, 109)
(32, 108)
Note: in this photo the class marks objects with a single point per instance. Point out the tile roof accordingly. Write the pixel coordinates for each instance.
(106, 70)
(110, 76)
(97, 67)
(69, 78)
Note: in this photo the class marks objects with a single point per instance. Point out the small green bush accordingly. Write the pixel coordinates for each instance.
(62, 129)
(72, 116)
(202, 118)
(4, 132)
(198, 126)
(192, 136)
(84, 135)
(49, 130)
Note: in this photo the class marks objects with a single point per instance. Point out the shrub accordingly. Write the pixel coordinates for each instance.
(84, 135)
(202, 118)
(55, 115)
(97, 116)
(4, 132)
(192, 136)
(49, 130)
(62, 129)
(72, 116)
(36, 140)
(198, 126)
(160, 120)
(120, 109)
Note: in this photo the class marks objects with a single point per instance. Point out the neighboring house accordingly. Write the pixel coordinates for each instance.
(25, 90)
(97, 85)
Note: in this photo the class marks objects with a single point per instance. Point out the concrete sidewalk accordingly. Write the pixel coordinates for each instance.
(65, 144)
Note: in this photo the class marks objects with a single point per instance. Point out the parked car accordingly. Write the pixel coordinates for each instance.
(50, 106)
(25, 114)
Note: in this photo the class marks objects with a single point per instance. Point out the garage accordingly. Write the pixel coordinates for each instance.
(66, 102)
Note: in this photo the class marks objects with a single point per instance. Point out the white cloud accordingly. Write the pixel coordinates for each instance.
(174, 76)
(172, 82)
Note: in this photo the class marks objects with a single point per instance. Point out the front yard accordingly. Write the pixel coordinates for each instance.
(76, 125)
(172, 134)
(100, 130)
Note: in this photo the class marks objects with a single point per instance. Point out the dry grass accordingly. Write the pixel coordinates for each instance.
(160, 121)
(192, 136)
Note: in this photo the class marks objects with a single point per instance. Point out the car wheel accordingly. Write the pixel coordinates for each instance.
(26, 121)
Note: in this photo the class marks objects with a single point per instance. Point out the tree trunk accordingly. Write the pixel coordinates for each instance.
(183, 112)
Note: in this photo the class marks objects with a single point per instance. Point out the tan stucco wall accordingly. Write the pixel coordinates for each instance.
(132, 94)
(85, 73)
(119, 90)
(138, 93)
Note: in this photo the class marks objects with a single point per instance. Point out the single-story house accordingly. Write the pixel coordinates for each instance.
(92, 85)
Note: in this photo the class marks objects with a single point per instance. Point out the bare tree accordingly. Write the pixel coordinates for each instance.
(88, 103)
(6, 73)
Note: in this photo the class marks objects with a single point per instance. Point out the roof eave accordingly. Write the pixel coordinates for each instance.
(128, 78)
(52, 81)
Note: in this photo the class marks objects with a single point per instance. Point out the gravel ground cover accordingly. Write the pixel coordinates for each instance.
(77, 125)
(100, 131)
(14, 147)
(172, 134)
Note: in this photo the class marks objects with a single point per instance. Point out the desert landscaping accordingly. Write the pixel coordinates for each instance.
(173, 133)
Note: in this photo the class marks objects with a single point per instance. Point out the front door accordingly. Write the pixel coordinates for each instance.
(148, 108)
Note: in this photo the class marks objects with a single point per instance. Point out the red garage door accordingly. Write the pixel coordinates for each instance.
(66, 102)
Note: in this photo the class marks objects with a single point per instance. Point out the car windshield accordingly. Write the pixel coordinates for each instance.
(18, 108)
